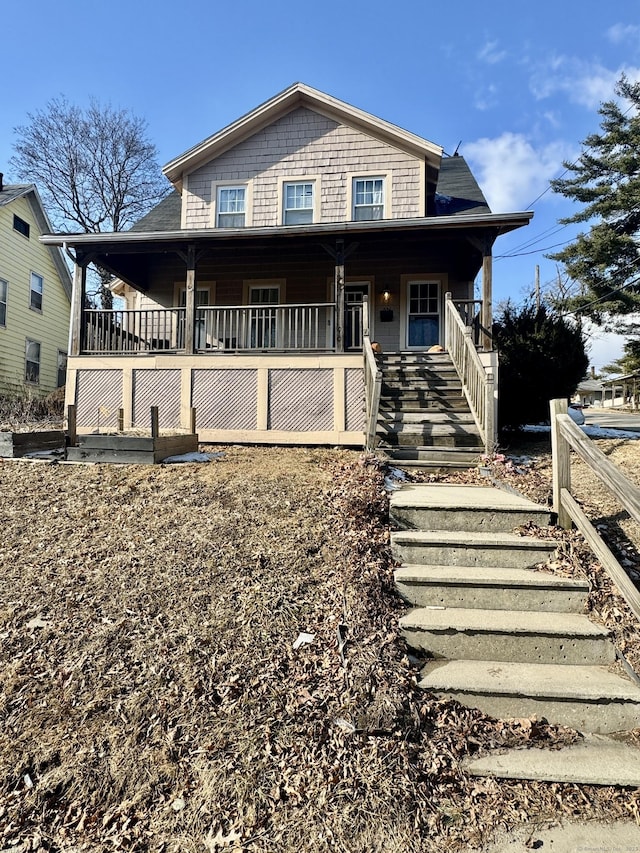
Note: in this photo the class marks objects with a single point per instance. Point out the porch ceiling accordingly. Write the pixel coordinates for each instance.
(131, 255)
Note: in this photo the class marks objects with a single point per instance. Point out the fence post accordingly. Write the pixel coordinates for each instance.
(561, 463)
(72, 430)
(155, 420)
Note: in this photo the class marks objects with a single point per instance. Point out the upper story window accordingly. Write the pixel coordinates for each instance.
(3, 302)
(231, 207)
(298, 203)
(368, 198)
(21, 226)
(35, 298)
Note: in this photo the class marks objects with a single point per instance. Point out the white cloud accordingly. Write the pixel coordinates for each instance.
(487, 98)
(511, 171)
(490, 54)
(585, 83)
(623, 32)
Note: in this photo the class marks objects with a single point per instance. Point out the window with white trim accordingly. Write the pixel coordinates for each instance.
(368, 198)
(35, 296)
(231, 207)
(32, 362)
(298, 203)
(3, 302)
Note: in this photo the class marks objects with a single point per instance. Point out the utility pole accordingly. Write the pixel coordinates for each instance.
(538, 287)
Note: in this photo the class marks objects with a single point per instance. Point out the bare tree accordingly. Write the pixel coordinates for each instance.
(95, 168)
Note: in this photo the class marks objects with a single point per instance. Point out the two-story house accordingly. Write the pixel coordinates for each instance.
(35, 296)
(293, 238)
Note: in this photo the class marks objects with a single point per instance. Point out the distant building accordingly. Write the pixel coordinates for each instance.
(35, 296)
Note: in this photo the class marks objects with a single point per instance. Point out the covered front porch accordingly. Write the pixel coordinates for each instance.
(262, 330)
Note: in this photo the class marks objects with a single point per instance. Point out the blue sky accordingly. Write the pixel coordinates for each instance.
(516, 85)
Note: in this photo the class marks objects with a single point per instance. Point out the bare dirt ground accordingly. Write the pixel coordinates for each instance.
(151, 697)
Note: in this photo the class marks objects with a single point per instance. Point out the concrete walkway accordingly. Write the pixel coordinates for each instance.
(584, 837)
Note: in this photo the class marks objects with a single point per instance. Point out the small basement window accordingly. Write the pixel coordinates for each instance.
(21, 226)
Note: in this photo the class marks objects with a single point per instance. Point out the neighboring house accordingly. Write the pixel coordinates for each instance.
(35, 296)
(247, 290)
(590, 392)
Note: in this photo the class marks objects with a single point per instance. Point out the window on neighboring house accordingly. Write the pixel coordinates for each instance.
(3, 302)
(368, 198)
(32, 362)
(231, 207)
(36, 292)
(21, 226)
(298, 203)
(62, 368)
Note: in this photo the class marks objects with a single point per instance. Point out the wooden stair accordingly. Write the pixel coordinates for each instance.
(424, 419)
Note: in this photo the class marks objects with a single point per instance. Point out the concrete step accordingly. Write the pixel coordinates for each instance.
(586, 698)
(425, 457)
(595, 760)
(507, 635)
(488, 588)
(441, 547)
(443, 506)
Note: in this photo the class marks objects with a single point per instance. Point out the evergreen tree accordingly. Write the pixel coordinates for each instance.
(629, 362)
(606, 181)
(542, 357)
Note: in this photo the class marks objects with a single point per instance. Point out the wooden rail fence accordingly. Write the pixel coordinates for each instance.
(565, 436)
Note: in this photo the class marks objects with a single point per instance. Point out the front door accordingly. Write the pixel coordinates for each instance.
(423, 314)
(353, 296)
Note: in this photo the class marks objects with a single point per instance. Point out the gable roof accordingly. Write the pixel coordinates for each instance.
(299, 95)
(9, 194)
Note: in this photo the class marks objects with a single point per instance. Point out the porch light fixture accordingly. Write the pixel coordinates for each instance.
(386, 296)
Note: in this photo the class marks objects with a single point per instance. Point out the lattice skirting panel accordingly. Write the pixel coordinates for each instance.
(354, 402)
(324, 401)
(301, 400)
(159, 388)
(225, 399)
(99, 397)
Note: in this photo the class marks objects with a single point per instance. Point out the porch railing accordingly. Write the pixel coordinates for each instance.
(127, 331)
(264, 327)
(477, 381)
(470, 311)
(372, 380)
(233, 328)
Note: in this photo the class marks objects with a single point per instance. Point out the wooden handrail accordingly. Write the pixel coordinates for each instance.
(477, 381)
(372, 380)
(565, 436)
